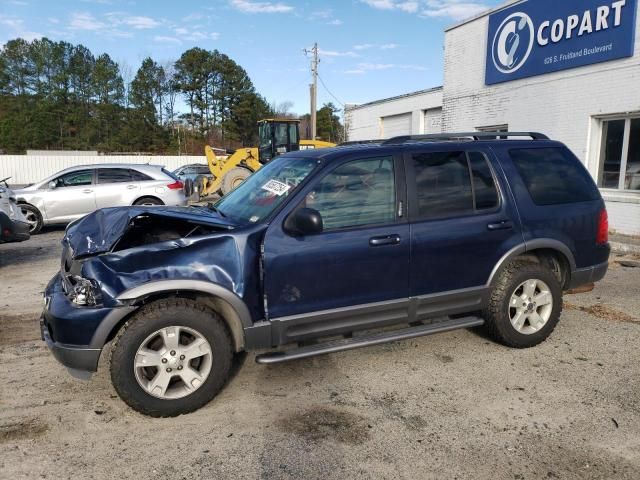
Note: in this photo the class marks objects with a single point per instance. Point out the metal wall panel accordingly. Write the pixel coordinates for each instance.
(25, 169)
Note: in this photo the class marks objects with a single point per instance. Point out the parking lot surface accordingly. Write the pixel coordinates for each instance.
(454, 405)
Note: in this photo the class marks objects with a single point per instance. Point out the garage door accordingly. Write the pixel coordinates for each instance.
(396, 125)
(433, 120)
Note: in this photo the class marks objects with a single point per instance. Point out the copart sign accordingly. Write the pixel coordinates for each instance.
(541, 36)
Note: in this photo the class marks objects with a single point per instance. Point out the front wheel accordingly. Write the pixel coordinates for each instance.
(33, 217)
(172, 357)
(525, 305)
(234, 178)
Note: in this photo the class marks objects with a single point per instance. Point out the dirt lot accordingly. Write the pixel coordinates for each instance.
(449, 406)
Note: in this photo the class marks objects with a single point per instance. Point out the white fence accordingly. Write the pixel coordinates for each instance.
(24, 169)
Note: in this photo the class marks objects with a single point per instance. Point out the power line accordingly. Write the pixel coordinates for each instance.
(329, 91)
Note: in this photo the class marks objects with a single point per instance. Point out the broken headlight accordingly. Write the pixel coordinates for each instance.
(84, 292)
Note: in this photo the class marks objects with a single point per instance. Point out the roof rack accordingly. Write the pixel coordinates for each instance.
(470, 136)
(360, 142)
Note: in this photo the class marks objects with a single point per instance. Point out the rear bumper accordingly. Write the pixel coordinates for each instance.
(13, 231)
(585, 276)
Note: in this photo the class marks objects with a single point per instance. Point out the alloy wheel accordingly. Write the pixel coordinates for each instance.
(173, 362)
(530, 306)
(31, 218)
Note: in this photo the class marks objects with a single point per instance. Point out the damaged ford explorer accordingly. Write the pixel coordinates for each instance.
(324, 251)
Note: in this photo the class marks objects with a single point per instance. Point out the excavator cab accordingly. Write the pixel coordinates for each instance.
(277, 136)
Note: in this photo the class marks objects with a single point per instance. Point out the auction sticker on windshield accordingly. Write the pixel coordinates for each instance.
(276, 187)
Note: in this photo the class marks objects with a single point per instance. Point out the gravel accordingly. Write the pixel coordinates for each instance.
(454, 405)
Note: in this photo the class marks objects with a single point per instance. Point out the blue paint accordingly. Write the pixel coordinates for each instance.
(543, 36)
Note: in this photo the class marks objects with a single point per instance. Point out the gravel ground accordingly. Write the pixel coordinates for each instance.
(454, 405)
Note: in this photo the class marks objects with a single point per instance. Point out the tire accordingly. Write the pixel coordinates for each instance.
(148, 201)
(510, 317)
(135, 383)
(188, 187)
(233, 178)
(34, 217)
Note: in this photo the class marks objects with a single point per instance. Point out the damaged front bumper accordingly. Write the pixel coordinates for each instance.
(74, 334)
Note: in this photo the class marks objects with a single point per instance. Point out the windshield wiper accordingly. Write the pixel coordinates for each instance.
(211, 206)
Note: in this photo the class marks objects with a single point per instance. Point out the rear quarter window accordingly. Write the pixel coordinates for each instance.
(554, 176)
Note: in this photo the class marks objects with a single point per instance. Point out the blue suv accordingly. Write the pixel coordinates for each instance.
(328, 250)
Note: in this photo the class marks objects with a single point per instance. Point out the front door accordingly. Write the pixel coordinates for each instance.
(72, 197)
(462, 223)
(354, 274)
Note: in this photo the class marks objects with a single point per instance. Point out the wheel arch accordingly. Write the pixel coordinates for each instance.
(148, 196)
(227, 304)
(558, 255)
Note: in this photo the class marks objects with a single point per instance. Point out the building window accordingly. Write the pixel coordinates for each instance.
(619, 166)
(495, 128)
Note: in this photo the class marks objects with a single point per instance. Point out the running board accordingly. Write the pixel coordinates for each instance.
(368, 340)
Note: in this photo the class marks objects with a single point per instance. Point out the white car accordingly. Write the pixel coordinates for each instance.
(77, 191)
(13, 225)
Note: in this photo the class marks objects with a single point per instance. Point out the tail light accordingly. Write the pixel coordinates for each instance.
(177, 185)
(602, 236)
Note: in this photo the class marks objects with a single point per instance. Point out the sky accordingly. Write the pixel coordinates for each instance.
(369, 49)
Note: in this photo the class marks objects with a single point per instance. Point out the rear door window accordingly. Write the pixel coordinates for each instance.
(113, 175)
(451, 184)
(553, 176)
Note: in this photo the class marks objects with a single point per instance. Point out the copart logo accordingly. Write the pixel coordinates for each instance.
(513, 42)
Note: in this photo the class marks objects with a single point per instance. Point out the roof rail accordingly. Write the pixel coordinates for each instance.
(359, 142)
(471, 136)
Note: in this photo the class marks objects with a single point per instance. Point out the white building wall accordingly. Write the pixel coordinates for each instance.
(364, 122)
(564, 105)
(24, 169)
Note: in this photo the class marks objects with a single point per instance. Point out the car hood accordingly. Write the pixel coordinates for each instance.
(99, 231)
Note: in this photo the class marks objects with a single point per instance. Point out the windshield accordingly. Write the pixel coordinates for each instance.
(264, 132)
(265, 190)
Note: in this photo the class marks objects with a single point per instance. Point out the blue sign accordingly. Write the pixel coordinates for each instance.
(541, 36)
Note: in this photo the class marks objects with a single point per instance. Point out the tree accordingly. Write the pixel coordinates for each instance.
(328, 126)
(191, 77)
(56, 95)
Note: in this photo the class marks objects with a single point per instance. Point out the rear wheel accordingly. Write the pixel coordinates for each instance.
(525, 305)
(172, 357)
(148, 201)
(234, 178)
(33, 217)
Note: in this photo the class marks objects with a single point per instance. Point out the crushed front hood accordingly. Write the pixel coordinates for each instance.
(99, 231)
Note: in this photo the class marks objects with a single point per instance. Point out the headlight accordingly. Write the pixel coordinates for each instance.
(84, 292)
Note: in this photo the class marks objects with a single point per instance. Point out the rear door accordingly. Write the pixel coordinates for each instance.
(115, 188)
(462, 222)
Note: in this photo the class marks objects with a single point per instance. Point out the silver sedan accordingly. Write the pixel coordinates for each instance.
(77, 191)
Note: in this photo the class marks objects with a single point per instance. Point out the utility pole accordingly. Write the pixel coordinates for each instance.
(314, 89)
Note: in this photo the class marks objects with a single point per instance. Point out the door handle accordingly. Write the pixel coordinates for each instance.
(386, 240)
(502, 225)
(87, 190)
(131, 187)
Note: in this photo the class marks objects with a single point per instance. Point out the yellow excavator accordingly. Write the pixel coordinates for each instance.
(277, 136)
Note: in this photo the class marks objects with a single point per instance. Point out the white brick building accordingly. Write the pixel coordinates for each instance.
(593, 109)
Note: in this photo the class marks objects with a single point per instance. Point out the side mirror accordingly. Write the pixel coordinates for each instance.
(304, 221)
(52, 184)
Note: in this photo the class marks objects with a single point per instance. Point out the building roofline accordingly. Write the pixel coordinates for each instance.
(486, 13)
(391, 99)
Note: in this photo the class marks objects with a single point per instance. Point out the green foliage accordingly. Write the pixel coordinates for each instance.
(55, 95)
(328, 125)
